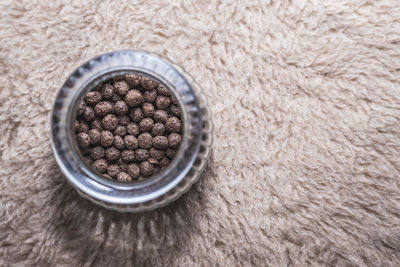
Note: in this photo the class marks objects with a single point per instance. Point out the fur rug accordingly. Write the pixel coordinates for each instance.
(306, 159)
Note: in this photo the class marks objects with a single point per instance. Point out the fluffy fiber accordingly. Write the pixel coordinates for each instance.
(306, 161)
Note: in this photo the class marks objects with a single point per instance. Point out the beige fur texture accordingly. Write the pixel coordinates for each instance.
(306, 159)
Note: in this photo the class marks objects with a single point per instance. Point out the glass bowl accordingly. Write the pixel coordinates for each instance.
(158, 190)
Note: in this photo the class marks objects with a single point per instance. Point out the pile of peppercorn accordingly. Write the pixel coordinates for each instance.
(129, 128)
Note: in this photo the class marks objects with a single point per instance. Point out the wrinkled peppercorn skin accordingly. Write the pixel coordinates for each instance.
(128, 128)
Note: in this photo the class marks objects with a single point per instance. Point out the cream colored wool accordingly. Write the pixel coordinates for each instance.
(306, 161)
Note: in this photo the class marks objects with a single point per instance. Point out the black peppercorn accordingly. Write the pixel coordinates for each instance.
(123, 120)
(97, 152)
(100, 165)
(112, 153)
(107, 91)
(128, 155)
(121, 87)
(89, 114)
(141, 154)
(113, 170)
(148, 84)
(158, 129)
(134, 98)
(146, 168)
(150, 96)
(120, 130)
(156, 153)
(83, 139)
(160, 116)
(162, 102)
(136, 115)
(119, 142)
(160, 142)
(132, 129)
(124, 177)
(145, 140)
(103, 108)
(131, 142)
(110, 122)
(95, 136)
(120, 108)
(174, 140)
(133, 170)
(148, 109)
(132, 79)
(162, 90)
(106, 138)
(173, 125)
(92, 98)
(146, 125)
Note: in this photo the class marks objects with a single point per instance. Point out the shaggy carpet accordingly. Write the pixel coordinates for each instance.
(306, 160)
